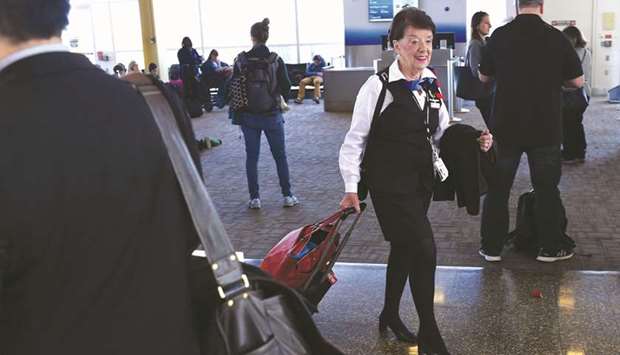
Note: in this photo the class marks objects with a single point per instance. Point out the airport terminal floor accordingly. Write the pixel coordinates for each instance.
(517, 306)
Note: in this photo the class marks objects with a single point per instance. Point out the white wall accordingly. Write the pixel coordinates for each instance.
(606, 60)
(497, 11)
(588, 17)
(578, 10)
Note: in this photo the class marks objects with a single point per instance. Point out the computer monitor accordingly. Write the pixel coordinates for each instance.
(443, 40)
(384, 42)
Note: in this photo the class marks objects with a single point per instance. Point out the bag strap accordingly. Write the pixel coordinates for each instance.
(272, 58)
(241, 60)
(585, 52)
(210, 229)
(384, 77)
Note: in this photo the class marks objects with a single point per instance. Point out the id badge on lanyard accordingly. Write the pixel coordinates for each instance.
(440, 168)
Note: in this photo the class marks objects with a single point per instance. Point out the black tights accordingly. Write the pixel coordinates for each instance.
(413, 256)
(415, 260)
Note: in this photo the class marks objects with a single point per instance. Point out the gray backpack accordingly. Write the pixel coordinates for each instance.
(254, 87)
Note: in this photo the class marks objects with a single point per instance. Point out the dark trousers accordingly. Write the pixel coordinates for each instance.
(413, 255)
(485, 105)
(191, 86)
(273, 126)
(574, 145)
(545, 173)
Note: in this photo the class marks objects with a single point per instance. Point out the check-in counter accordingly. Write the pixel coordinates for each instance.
(341, 86)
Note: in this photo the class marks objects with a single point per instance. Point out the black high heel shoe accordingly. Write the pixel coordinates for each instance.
(398, 328)
(425, 346)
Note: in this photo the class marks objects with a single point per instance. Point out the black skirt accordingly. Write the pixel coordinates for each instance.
(402, 216)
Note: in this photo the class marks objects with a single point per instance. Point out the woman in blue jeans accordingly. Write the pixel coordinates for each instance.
(254, 122)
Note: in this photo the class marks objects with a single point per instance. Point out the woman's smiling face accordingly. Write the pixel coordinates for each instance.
(415, 48)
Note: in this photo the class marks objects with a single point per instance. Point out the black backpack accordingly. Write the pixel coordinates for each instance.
(524, 237)
(254, 86)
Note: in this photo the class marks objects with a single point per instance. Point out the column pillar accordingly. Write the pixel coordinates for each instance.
(149, 40)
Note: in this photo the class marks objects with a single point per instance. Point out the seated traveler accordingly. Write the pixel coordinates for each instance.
(313, 76)
(216, 74)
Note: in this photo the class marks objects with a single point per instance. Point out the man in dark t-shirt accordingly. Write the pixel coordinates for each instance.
(529, 61)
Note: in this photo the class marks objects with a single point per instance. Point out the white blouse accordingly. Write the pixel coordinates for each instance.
(352, 150)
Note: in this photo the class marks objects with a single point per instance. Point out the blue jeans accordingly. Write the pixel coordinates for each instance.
(252, 126)
(545, 173)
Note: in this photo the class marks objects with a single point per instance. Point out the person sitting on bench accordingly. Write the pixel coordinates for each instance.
(216, 74)
(313, 76)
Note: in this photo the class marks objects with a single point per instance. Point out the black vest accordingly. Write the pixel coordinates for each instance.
(398, 156)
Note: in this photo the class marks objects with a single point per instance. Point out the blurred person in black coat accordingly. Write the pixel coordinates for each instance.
(189, 61)
(99, 234)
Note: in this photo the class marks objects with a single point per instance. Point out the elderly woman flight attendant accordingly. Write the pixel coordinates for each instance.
(397, 152)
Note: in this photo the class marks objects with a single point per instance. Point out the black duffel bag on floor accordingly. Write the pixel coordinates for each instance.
(249, 313)
(524, 238)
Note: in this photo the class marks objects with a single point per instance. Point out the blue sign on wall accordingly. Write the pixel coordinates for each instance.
(380, 10)
(385, 10)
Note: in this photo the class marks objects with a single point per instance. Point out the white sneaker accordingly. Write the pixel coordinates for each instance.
(488, 257)
(549, 256)
(290, 201)
(254, 204)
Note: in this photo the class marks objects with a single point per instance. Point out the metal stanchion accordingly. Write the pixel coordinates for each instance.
(458, 102)
(451, 63)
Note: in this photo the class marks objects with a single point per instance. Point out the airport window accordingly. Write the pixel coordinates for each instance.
(105, 31)
(109, 31)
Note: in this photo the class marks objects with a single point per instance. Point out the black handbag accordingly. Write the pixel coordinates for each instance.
(468, 86)
(575, 100)
(248, 313)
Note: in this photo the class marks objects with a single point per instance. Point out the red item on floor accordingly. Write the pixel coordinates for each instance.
(304, 258)
(536, 293)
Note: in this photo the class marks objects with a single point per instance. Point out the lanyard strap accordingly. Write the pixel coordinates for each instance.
(427, 125)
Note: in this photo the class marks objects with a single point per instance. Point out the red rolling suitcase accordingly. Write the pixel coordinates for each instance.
(304, 258)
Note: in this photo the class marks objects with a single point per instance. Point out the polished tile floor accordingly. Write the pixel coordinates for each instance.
(482, 311)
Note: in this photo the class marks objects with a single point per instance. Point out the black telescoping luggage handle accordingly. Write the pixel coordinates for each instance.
(351, 210)
(343, 215)
(209, 227)
(330, 265)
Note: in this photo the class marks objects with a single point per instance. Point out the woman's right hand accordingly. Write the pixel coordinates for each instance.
(350, 199)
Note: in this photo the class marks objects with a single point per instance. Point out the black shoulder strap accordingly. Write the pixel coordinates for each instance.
(274, 63)
(210, 229)
(241, 60)
(583, 57)
(384, 77)
(273, 57)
